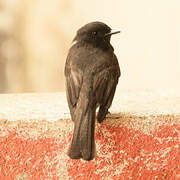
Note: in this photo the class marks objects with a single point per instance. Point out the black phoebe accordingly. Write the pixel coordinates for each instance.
(92, 73)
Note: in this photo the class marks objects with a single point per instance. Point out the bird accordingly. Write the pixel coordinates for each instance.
(91, 74)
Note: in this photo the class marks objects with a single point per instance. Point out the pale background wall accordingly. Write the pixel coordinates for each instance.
(35, 36)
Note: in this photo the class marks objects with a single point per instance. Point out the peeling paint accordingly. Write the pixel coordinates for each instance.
(158, 160)
(122, 153)
(22, 156)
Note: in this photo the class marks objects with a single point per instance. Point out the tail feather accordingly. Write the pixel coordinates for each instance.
(83, 145)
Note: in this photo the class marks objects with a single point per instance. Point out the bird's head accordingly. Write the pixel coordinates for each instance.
(95, 32)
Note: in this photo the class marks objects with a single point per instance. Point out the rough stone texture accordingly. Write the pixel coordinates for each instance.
(141, 140)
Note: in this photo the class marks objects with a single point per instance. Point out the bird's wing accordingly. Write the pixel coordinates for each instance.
(105, 86)
(73, 86)
(104, 83)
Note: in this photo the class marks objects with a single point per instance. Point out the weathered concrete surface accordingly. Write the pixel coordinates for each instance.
(142, 141)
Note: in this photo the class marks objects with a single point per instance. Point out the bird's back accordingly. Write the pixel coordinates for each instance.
(89, 59)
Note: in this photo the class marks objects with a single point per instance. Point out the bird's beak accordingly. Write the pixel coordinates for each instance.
(112, 32)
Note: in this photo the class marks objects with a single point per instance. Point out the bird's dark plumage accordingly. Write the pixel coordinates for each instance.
(92, 73)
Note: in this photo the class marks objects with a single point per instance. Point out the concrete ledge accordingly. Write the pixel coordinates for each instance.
(142, 140)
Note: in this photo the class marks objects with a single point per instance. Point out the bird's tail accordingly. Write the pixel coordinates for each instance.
(83, 145)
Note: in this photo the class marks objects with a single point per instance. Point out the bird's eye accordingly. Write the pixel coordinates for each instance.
(94, 32)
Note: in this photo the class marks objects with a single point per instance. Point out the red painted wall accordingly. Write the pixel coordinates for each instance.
(122, 153)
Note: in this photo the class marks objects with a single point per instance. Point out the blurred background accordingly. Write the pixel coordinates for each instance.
(35, 36)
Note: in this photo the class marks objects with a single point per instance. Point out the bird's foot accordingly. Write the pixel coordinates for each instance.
(113, 116)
